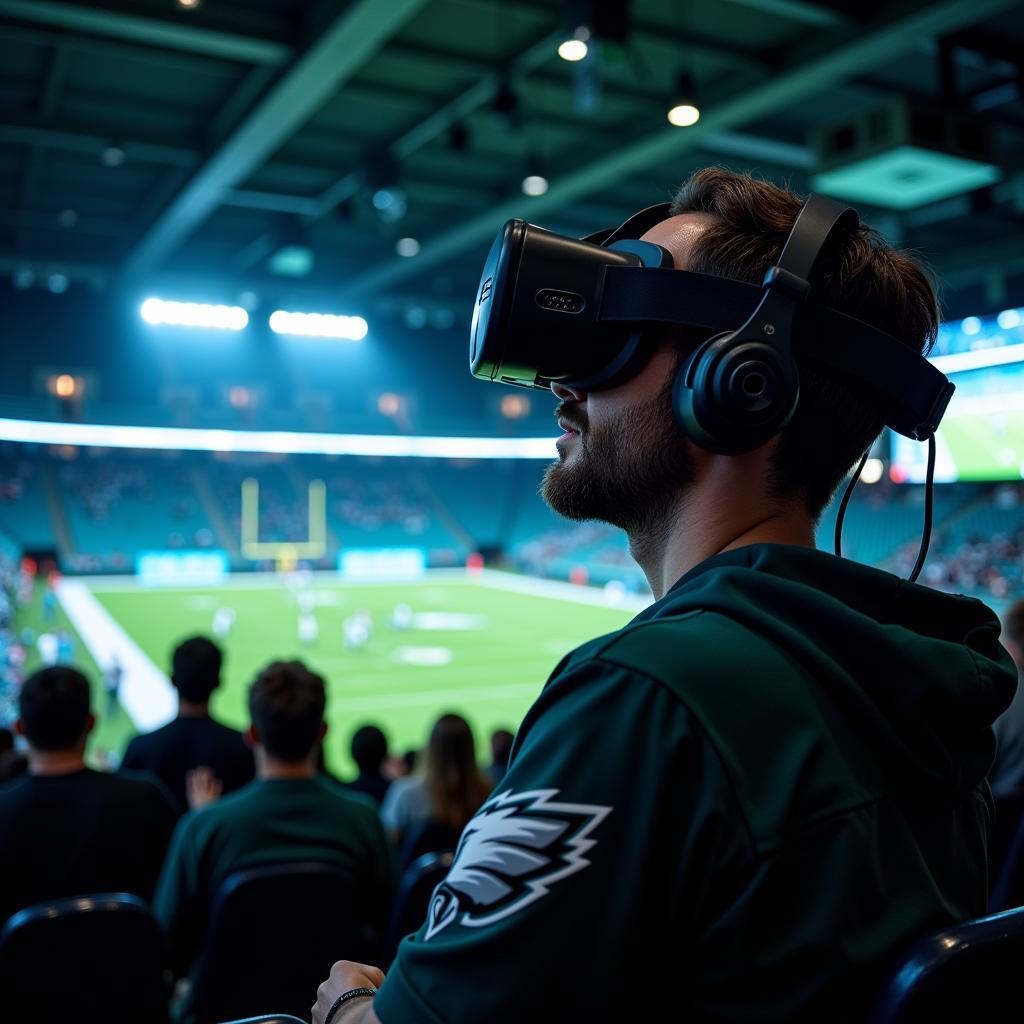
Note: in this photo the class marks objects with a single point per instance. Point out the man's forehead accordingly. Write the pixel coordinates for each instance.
(678, 234)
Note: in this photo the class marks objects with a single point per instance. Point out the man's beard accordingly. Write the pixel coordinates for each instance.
(629, 472)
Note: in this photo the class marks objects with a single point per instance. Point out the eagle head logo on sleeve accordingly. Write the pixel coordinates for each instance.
(516, 847)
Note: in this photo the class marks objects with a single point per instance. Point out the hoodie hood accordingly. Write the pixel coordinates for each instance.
(922, 671)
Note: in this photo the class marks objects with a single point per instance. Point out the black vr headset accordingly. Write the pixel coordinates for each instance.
(579, 312)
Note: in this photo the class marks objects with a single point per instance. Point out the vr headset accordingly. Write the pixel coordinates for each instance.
(580, 312)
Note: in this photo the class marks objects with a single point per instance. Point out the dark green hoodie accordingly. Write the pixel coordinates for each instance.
(741, 807)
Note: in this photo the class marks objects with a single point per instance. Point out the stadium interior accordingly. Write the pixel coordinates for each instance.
(240, 243)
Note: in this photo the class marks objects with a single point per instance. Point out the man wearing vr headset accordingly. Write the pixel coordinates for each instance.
(750, 800)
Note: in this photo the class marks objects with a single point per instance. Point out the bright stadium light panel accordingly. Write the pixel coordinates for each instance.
(194, 314)
(279, 442)
(318, 325)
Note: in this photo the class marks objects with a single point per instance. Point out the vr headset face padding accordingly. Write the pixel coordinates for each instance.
(733, 394)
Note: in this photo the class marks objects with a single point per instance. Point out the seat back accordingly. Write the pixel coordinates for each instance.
(96, 957)
(957, 973)
(428, 837)
(273, 934)
(415, 889)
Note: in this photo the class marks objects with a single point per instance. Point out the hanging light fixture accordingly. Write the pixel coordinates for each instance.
(684, 110)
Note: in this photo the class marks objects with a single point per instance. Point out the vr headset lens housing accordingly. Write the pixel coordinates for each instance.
(537, 313)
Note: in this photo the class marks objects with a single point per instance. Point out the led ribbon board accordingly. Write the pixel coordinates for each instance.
(277, 442)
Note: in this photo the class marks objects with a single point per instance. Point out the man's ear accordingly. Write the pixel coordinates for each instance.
(90, 724)
(251, 736)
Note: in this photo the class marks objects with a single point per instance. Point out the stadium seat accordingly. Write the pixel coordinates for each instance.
(273, 935)
(1006, 854)
(96, 957)
(428, 837)
(270, 1018)
(961, 973)
(418, 883)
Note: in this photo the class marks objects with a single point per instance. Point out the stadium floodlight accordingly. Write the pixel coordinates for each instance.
(275, 442)
(194, 314)
(318, 325)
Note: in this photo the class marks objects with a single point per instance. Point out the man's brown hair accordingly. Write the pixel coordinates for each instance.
(836, 420)
(286, 703)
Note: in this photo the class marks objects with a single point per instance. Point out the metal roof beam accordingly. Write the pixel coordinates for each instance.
(151, 31)
(333, 57)
(812, 15)
(805, 73)
(437, 123)
(73, 140)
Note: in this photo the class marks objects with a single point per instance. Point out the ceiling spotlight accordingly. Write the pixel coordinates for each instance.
(407, 247)
(390, 203)
(57, 283)
(67, 218)
(188, 5)
(535, 185)
(684, 110)
(575, 47)
(873, 471)
(112, 156)
(24, 278)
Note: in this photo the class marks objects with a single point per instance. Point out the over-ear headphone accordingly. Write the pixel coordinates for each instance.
(740, 388)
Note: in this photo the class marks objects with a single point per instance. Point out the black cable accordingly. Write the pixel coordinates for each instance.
(929, 494)
(847, 494)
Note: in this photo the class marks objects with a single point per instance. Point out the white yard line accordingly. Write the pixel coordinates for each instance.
(146, 693)
(428, 698)
(497, 579)
(560, 591)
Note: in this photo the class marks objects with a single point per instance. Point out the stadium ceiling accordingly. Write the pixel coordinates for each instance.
(165, 143)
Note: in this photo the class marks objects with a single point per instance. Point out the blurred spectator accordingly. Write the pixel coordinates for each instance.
(193, 739)
(12, 764)
(66, 830)
(447, 793)
(501, 747)
(290, 813)
(370, 751)
(1007, 774)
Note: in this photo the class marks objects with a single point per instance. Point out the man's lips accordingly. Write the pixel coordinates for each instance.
(571, 430)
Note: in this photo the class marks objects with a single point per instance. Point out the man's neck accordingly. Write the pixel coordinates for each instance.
(55, 762)
(190, 709)
(268, 767)
(709, 520)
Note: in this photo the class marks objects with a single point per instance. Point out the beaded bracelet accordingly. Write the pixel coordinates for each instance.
(352, 993)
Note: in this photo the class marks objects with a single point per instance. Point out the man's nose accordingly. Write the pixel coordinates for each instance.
(566, 394)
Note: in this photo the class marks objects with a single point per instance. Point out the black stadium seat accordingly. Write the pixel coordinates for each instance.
(270, 1018)
(427, 837)
(274, 933)
(418, 883)
(85, 958)
(968, 972)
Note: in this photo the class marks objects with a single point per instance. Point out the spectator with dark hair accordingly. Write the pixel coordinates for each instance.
(370, 751)
(66, 830)
(1007, 774)
(194, 750)
(290, 813)
(12, 764)
(449, 790)
(501, 747)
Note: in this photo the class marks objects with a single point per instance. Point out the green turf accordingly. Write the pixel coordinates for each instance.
(496, 671)
(986, 448)
(113, 727)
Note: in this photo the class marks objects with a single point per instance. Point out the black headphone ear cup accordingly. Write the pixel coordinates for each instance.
(734, 393)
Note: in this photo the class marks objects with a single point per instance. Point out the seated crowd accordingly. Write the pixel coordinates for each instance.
(195, 802)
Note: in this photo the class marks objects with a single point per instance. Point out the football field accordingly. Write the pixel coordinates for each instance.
(480, 646)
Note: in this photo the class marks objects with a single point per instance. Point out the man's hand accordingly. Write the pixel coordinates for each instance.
(345, 975)
(202, 787)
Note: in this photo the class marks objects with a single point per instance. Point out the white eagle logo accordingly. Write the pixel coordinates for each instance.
(516, 847)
